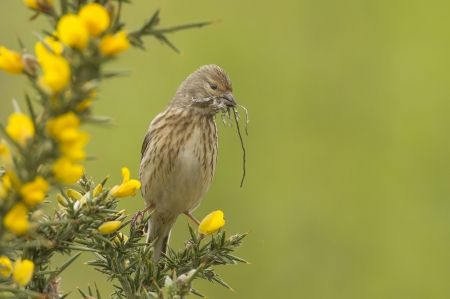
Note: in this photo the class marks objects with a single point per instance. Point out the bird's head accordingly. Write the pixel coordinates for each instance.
(207, 90)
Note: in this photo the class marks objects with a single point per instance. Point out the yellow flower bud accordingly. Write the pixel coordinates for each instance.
(212, 223)
(37, 215)
(119, 237)
(5, 155)
(121, 213)
(81, 106)
(34, 192)
(6, 180)
(95, 17)
(14, 180)
(72, 31)
(56, 73)
(62, 200)
(73, 194)
(109, 227)
(98, 190)
(5, 185)
(20, 128)
(23, 271)
(82, 203)
(3, 191)
(128, 186)
(5, 266)
(10, 61)
(36, 3)
(31, 3)
(111, 45)
(16, 220)
(66, 171)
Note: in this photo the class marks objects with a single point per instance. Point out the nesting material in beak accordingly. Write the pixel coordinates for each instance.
(229, 100)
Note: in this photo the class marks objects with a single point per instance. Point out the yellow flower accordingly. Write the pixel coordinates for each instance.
(64, 128)
(66, 171)
(6, 181)
(5, 155)
(23, 271)
(119, 237)
(212, 223)
(95, 17)
(14, 180)
(36, 3)
(109, 227)
(81, 106)
(42, 51)
(72, 31)
(3, 191)
(5, 266)
(16, 220)
(98, 190)
(110, 44)
(74, 149)
(10, 61)
(128, 186)
(34, 192)
(20, 128)
(56, 73)
(31, 3)
(5, 184)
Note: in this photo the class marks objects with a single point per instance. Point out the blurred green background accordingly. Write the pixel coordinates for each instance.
(347, 191)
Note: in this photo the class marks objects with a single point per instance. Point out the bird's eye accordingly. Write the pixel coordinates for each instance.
(213, 86)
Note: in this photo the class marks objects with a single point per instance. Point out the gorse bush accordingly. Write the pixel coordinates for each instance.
(42, 149)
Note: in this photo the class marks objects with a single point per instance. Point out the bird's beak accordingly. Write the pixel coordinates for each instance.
(229, 100)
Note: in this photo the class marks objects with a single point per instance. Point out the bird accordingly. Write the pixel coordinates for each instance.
(179, 151)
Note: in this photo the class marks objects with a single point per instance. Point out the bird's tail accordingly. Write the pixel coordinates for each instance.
(159, 227)
(160, 245)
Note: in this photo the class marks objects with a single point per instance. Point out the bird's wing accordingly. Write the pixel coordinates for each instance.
(146, 143)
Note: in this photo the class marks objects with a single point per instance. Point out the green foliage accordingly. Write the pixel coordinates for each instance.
(130, 261)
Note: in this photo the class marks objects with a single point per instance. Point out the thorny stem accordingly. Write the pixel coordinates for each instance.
(126, 287)
(125, 283)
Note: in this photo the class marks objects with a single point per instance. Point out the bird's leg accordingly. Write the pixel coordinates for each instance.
(147, 208)
(193, 218)
(139, 215)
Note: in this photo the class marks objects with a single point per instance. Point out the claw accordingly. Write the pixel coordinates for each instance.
(137, 218)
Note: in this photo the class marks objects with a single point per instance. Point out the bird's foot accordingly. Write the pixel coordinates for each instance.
(193, 218)
(137, 218)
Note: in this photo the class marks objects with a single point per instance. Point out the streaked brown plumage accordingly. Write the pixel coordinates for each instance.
(179, 151)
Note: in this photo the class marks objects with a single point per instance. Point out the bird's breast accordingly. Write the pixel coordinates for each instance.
(178, 165)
